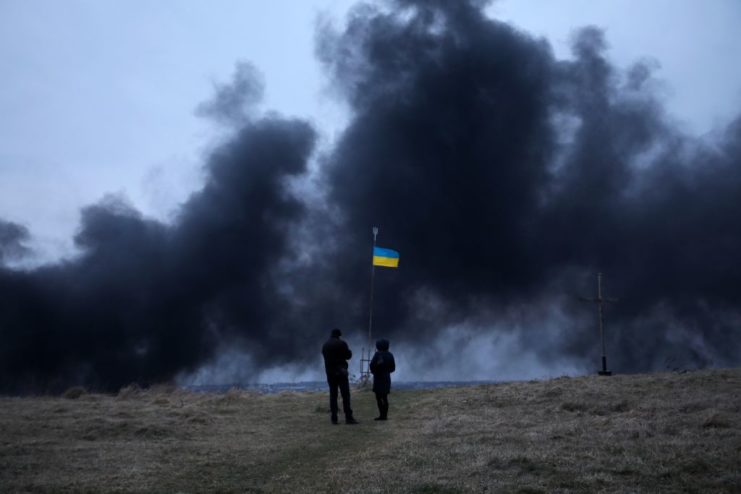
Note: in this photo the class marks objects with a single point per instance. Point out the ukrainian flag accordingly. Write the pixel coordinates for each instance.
(385, 257)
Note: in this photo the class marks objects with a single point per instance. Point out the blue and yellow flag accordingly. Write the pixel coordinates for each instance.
(385, 257)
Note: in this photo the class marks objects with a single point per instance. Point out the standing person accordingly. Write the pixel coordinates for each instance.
(336, 354)
(382, 365)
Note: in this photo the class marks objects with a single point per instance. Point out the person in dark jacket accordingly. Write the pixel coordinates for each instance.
(381, 366)
(336, 354)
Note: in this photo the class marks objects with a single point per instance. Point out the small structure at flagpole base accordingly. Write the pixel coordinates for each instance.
(364, 380)
(600, 301)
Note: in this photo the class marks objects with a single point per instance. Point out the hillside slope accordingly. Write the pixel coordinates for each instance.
(637, 433)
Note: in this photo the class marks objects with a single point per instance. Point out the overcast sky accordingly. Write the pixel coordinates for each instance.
(98, 96)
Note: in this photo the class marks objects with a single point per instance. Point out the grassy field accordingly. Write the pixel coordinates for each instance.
(640, 433)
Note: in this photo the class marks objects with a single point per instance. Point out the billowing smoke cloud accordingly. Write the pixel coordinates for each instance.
(146, 300)
(509, 179)
(506, 179)
(12, 238)
(233, 103)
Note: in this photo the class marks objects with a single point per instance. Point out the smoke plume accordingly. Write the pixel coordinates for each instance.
(505, 177)
(12, 237)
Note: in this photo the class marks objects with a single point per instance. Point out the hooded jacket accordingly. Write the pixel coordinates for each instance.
(381, 366)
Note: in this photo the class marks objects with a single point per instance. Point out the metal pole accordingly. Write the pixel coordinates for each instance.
(600, 301)
(370, 313)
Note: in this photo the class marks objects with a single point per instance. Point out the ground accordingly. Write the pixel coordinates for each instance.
(647, 433)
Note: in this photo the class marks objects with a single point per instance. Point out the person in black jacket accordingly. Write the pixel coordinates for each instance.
(382, 365)
(336, 354)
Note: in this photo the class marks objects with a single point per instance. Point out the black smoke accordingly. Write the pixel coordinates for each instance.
(146, 300)
(12, 238)
(509, 178)
(505, 177)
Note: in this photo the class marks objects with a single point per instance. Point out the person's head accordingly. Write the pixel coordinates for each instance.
(382, 345)
(336, 333)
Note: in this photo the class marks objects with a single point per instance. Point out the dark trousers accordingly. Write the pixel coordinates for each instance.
(343, 384)
(382, 400)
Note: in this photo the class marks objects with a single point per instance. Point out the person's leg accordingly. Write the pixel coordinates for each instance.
(382, 400)
(345, 392)
(333, 398)
(383, 405)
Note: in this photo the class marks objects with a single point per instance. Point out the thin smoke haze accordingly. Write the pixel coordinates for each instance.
(505, 177)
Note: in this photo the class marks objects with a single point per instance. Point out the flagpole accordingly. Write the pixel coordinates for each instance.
(370, 315)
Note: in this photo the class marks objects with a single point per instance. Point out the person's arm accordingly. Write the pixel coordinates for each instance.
(348, 353)
(374, 363)
(392, 363)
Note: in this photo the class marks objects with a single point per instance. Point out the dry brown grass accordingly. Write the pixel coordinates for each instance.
(641, 433)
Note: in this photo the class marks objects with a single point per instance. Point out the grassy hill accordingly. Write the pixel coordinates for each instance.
(638, 433)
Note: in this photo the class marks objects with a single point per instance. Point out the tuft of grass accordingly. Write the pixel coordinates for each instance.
(570, 406)
(530, 490)
(74, 392)
(434, 489)
(657, 433)
(131, 391)
(717, 421)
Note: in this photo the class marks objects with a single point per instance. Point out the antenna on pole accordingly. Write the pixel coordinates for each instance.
(600, 301)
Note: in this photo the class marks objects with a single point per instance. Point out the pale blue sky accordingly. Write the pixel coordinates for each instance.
(97, 96)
